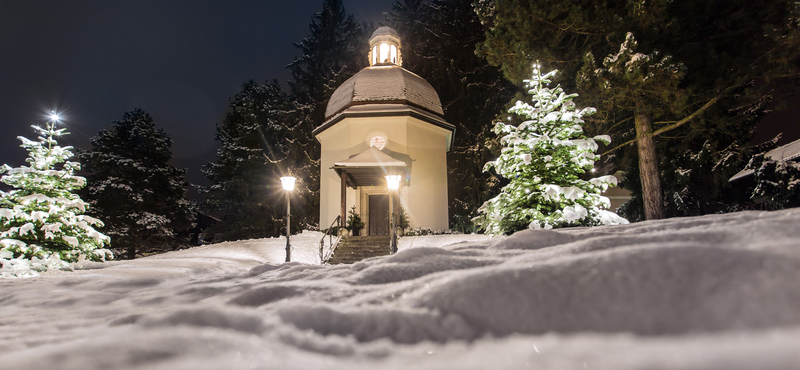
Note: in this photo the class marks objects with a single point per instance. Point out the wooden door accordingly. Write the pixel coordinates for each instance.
(379, 214)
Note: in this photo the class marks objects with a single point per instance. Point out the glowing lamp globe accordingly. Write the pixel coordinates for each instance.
(288, 183)
(393, 182)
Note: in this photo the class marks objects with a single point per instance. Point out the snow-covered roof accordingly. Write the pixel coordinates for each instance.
(383, 84)
(385, 30)
(786, 152)
(369, 168)
(371, 157)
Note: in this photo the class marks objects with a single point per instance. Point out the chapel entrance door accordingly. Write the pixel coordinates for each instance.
(379, 214)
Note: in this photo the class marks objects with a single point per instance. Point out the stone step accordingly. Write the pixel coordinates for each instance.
(352, 249)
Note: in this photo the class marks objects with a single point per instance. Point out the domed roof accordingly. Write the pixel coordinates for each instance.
(385, 30)
(382, 85)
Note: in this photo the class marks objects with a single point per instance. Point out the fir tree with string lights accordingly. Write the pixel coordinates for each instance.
(545, 159)
(42, 224)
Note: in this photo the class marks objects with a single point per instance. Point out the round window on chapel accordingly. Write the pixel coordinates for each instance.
(378, 142)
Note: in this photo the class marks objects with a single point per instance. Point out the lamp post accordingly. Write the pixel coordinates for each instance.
(288, 186)
(393, 183)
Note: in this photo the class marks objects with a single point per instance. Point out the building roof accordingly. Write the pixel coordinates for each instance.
(385, 30)
(786, 152)
(372, 157)
(384, 84)
(368, 168)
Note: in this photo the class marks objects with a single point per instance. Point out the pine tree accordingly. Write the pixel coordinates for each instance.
(42, 224)
(332, 53)
(259, 145)
(777, 182)
(648, 85)
(267, 134)
(134, 188)
(545, 159)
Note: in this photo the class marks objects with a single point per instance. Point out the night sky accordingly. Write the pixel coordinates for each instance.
(179, 60)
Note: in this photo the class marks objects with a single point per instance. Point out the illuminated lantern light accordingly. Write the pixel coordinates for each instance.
(393, 181)
(288, 183)
(384, 57)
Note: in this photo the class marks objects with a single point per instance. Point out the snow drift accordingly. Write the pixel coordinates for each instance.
(718, 292)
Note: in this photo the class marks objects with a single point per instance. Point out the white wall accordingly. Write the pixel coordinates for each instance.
(425, 200)
(427, 194)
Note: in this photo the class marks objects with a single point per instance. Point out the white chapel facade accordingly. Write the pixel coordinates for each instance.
(384, 120)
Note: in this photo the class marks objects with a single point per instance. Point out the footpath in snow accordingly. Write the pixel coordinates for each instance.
(711, 292)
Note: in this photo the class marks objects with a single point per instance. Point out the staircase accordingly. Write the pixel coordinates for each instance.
(352, 249)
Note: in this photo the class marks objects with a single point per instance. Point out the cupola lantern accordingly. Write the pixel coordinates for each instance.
(384, 46)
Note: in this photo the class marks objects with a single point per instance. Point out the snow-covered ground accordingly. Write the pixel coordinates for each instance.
(712, 292)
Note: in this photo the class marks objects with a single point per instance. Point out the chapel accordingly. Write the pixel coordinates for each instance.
(385, 120)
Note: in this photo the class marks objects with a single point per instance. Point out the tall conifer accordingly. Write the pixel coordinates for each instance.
(133, 186)
(546, 159)
(42, 224)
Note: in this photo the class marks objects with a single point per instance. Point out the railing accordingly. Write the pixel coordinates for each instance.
(322, 257)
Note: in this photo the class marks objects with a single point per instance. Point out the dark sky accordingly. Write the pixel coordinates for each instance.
(179, 60)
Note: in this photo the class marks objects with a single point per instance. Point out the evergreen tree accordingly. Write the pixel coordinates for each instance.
(332, 53)
(439, 37)
(267, 134)
(134, 188)
(259, 138)
(646, 86)
(777, 182)
(721, 46)
(545, 159)
(42, 224)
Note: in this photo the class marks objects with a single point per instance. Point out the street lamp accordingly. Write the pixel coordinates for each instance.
(393, 183)
(288, 186)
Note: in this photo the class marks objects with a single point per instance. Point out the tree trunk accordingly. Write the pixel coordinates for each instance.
(648, 166)
(131, 251)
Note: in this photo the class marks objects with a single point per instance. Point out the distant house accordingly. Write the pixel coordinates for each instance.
(788, 152)
(196, 235)
(617, 195)
(384, 120)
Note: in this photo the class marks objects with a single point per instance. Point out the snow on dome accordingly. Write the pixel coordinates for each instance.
(382, 84)
(385, 30)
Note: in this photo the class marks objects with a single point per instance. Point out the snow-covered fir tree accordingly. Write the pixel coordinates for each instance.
(330, 54)
(259, 138)
(777, 182)
(42, 224)
(132, 186)
(546, 159)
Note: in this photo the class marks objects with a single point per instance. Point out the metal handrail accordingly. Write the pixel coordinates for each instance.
(322, 257)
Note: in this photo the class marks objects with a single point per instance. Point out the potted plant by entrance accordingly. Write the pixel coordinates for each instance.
(402, 222)
(354, 223)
